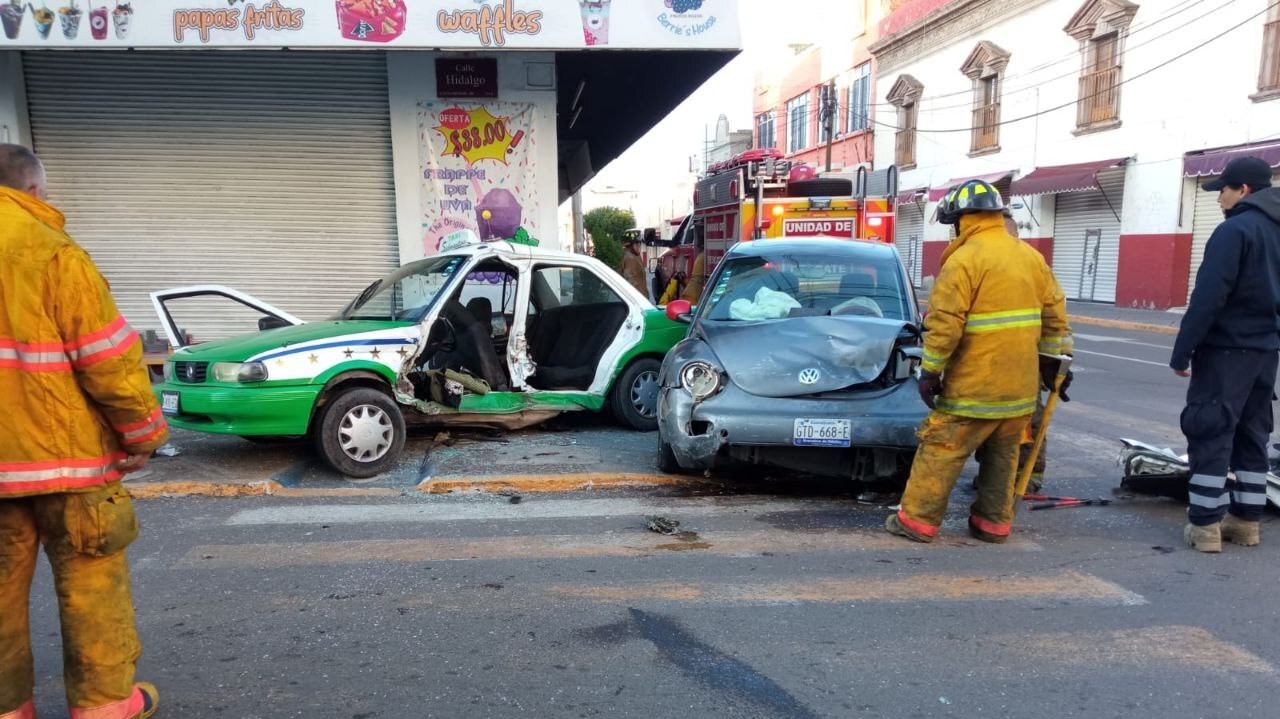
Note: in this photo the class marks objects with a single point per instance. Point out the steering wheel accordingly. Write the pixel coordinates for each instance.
(442, 337)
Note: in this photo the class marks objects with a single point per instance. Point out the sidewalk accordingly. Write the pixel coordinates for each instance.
(1097, 314)
(1163, 322)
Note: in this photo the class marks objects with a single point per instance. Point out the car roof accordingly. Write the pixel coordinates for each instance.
(502, 248)
(834, 245)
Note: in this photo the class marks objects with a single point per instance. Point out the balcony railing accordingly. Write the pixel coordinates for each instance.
(986, 127)
(905, 147)
(1099, 97)
(1269, 78)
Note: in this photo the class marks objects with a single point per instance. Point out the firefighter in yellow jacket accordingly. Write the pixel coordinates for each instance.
(994, 308)
(78, 414)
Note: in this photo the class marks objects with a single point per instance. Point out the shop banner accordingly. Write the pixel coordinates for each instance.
(478, 171)
(449, 25)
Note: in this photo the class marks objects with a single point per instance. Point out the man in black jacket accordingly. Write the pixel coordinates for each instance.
(1228, 344)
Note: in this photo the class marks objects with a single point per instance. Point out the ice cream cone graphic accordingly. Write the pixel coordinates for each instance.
(44, 19)
(595, 21)
(121, 18)
(69, 16)
(11, 14)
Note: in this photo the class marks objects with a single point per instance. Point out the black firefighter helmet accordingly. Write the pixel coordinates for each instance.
(971, 196)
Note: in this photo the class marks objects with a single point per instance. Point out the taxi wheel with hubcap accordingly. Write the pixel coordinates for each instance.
(635, 395)
(361, 432)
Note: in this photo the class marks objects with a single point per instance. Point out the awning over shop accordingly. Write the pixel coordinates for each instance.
(624, 94)
(1213, 161)
(992, 177)
(1064, 178)
(908, 196)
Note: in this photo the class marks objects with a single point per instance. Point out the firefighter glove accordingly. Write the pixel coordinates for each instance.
(930, 386)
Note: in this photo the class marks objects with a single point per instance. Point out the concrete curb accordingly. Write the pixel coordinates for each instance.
(530, 484)
(1122, 325)
(265, 488)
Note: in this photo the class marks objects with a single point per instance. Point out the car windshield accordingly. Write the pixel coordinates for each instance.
(806, 285)
(406, 294)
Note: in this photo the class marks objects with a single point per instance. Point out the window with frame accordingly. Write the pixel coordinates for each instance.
(905, 95)
(859, 102)
(984, 67)
(765, 125)
(798, 123)
(1101, 27)
(1269, 74)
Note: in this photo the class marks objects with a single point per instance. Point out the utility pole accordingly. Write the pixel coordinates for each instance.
(830, 112)
(579, 232)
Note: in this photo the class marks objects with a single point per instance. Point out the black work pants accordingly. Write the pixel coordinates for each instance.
(1228, 423)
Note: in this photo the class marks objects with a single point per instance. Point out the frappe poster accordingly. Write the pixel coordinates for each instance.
(478, 171)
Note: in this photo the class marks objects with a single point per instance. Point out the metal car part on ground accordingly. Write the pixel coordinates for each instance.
(493, 335)
(1159, 471)
(802, 356)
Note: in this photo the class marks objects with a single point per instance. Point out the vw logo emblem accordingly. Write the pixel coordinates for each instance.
(810, 376)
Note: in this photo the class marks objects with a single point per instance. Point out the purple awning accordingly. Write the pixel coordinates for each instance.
(993, 177)
(1214, 161)
(908, 196)
(1063, 178)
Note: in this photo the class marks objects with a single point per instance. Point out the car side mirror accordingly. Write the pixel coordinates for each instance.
(271, 323)
(679, 311)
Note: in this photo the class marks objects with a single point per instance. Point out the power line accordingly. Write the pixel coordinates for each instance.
(811, 114)
(1075, 55)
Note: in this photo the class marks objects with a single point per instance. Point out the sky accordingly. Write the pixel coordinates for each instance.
(652, 178)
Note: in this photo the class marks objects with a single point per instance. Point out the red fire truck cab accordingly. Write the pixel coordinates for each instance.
(795, 202)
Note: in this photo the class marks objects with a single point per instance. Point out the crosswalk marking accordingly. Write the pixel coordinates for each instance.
(1171, 646)
(630, 544)
(1067, 586)
(498, 508)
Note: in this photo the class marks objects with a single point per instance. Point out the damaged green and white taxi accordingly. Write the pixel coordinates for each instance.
(498, 334)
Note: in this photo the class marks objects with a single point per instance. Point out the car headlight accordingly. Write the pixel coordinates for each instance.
(239, 372)
(700, 379)
(168, 371)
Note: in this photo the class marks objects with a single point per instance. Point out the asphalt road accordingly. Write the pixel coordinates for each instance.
(774, 599)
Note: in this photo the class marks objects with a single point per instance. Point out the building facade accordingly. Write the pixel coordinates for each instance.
(1097, 118)
(791, 102)
(299, 149)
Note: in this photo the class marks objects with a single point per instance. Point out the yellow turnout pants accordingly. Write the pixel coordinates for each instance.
(946, 443)
(84, 536)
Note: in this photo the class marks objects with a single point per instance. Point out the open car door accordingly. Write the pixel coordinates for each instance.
(240, 312)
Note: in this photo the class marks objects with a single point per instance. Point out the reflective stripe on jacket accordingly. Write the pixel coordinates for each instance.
(994, 307)
(77, 397)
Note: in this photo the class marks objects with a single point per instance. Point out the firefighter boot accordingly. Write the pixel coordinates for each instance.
(893, 526)
(1206, 539)
(1240, 531)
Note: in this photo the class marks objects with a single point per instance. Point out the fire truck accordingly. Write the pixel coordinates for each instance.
(795, 202)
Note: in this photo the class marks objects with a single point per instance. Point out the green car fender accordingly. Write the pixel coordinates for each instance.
(353, 370)
(660, 335)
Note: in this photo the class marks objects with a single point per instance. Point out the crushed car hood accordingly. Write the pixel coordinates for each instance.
(768, 358)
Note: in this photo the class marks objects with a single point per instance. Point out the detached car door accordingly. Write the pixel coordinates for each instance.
(206, 312)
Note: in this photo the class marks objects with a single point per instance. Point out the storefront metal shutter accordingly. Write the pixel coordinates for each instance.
(910, 238)
(268, 171)
(1086, 240)
(1207, 216)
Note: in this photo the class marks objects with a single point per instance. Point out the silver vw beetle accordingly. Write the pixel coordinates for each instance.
(799, 356)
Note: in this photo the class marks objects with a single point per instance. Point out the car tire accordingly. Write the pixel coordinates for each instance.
(635, 395)
(820, 187)
(360, 433)
(667, 463)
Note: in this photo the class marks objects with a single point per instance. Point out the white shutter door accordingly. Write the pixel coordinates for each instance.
(1206, 216)
(909, 238)
(1086, 240)
(269, 172)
